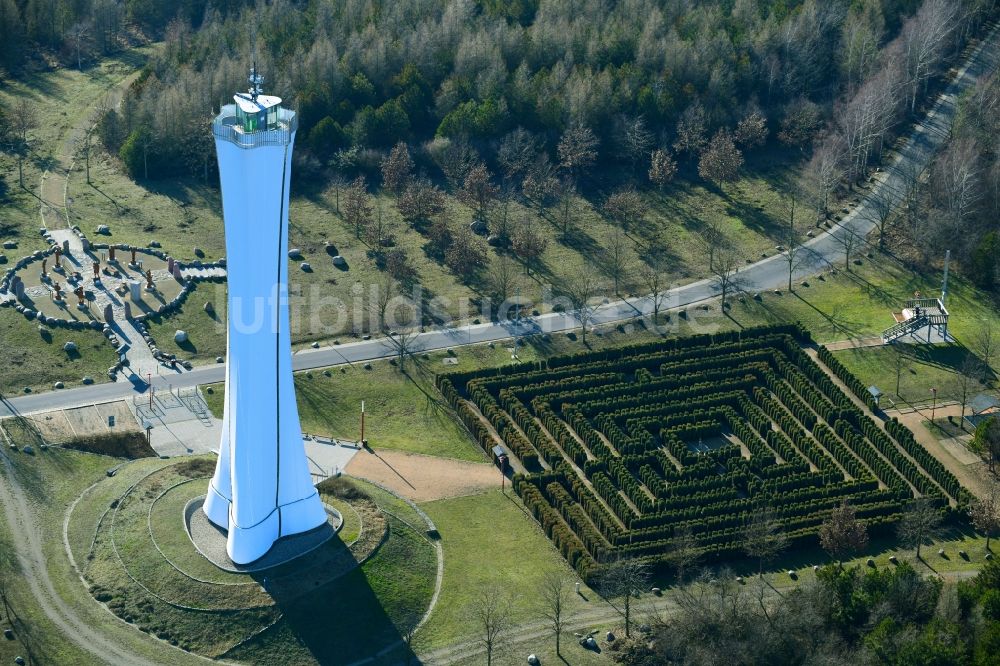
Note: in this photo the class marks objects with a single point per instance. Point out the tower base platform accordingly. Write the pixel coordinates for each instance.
(210, 540)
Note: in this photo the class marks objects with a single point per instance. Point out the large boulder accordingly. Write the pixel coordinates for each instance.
(295, 253)
(339, 261)
(180, 337)
(103, 229)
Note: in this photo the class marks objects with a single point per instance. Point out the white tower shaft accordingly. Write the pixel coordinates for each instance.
(262, 489)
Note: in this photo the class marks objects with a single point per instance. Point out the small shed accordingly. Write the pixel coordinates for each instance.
(500, 457)
(982, 407)
(875, 393)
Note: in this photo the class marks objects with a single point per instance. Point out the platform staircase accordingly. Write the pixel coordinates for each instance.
(906, 327)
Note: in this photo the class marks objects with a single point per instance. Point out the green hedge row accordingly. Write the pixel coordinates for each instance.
(886, 472)
(846, 376)
(931, 465)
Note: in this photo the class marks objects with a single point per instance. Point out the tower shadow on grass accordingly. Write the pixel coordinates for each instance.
(340, 622)
(367, 612)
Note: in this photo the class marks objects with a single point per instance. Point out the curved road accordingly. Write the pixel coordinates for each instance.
(817, 255)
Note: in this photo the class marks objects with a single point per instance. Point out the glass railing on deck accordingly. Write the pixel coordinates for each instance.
(226, 126)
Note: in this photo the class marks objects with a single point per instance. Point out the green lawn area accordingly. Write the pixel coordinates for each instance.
(859, 303)
(924, 367)
(37, 360)
(355, 615)
(206, 332)
(489, 538)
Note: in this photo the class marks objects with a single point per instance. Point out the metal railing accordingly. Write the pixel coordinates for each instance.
(226, 126)
(904, 328)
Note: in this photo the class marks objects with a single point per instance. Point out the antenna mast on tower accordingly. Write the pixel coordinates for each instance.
(944, 284)
(255, 79)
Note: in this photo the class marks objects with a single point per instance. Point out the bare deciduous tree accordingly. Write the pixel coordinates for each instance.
(516, 154)
(78, 37)
(763, 538)
(502, 279)
(751, 132)
(793, 243)
(823, 174)
(466, 254)
(634, 140)
(492, 611)
(478, 190)
(577, 150)
(581, 292)
(662, 167)
(985, 342)
(683, 552)
(397, 168)
(966, 382)
(655, 282)
(528, 243)
(624, 206)
(879, 208)
(721, 160)
(23, 117)
(848, 241)
(725, 269)
(383, 294)
(358, 207)
(625, 579)
(555, 596)
(420, 201)
(921, 521)
(691, 130)
(617, 260)
(565, 194)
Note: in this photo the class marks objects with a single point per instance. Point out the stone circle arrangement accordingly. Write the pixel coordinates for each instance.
(626, 448)
(98, 287)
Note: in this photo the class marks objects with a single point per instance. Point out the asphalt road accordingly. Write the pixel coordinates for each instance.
(817, 255)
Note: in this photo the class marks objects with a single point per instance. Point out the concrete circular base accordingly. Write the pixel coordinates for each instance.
(210, 540)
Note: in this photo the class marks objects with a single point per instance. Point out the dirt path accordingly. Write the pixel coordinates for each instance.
(33, 570)
(423, 478)
(970, 473)
(54, 185)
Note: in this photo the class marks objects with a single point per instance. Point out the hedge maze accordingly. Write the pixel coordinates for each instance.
(626, 447)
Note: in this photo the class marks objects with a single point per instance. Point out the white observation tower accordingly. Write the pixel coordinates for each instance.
(262, 489)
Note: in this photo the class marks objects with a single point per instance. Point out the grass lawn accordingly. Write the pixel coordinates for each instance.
(37, 360)
(923, 367)
(489, 538)
(355, 615)
(206, 332)
(860, 303)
